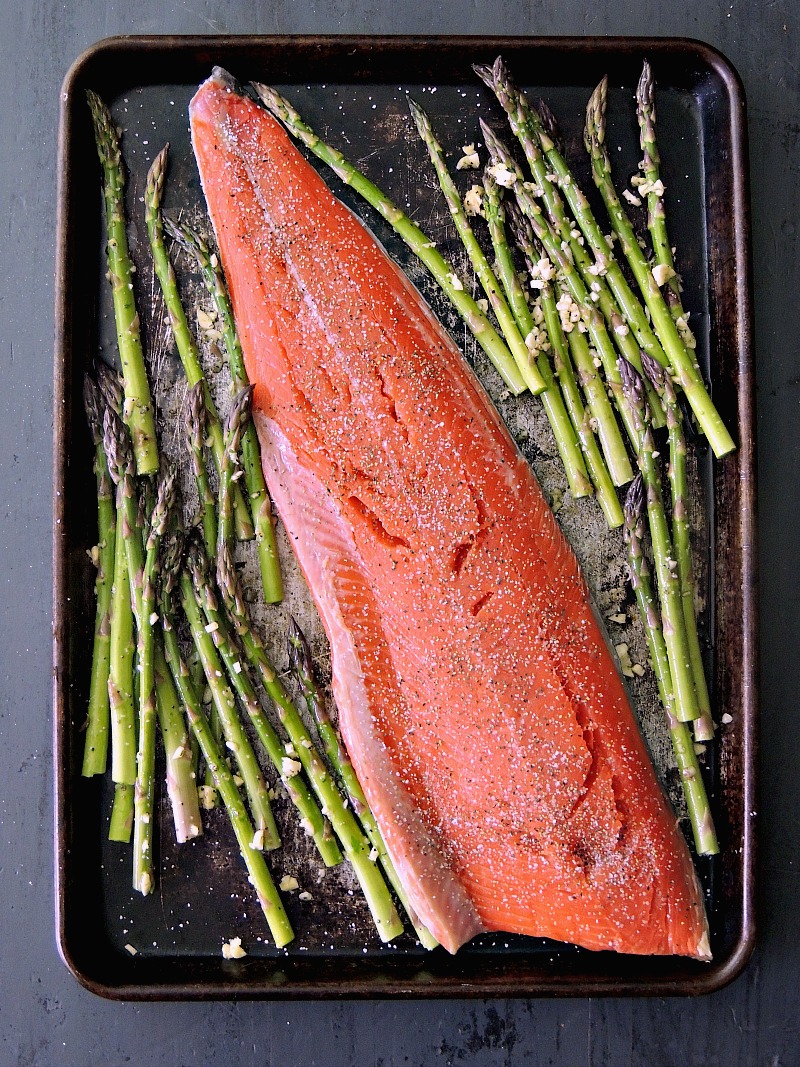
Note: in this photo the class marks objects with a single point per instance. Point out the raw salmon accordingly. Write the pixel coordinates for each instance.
(477, 697)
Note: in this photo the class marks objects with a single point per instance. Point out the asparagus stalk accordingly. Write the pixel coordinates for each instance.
(181, 774)
(552, 401)
(120, 826)
(524, 359)
(121, 675)
(196, 423)
(666, 566)
(260, 506)
(425, 250)
(187, 349)
(95, 753)
(236, 739)
(682, 363)
(652, 187)
(597, 398)
(515, 104)
(316, 824)
(691, 778)
(557, 258)
(681, 537)
(138, 410)
(144, 810)
(301, 666)
(601, 479)
(259, 873)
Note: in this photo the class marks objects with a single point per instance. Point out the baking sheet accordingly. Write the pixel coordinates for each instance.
(354, 92)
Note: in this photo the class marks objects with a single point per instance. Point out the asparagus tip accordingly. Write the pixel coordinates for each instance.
(484, 72)
(653, 370)
(644, 90)
(92, 405)
(548, 121)
(109, 382)
(595, 130)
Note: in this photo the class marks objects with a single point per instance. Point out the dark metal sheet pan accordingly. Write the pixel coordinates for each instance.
(149, 82)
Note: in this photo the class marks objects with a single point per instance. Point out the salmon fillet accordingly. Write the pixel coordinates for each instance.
(477, 697)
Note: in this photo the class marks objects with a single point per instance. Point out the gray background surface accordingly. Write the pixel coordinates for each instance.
(45, 1018)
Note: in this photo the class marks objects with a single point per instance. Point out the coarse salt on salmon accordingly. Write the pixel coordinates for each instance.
(477, 697)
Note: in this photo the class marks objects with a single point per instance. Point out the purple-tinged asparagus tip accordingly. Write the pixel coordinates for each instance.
(634, 501)
(653, 369)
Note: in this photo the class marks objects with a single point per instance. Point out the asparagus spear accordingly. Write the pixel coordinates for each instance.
(236, 739)
(196, 422)
(552, 401)
(316, 824)
(524, 359)
(601, 479)
(181, 774)
(483, 331)
(144, 813)
(187, 349)
(120, 690)
(515, 104)
(138, 409)
(95, 753)
(666, 566)
(557, 258)
(682, 363)
(681, 538)
(653, 188)
(691, 779)
(262, 881)
(301, 666)
(260, 506)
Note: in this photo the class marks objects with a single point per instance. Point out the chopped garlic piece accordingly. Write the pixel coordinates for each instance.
(662, 272)
(618, 616)
(257, 844)
(290, 767)
(131, 949)
(289, 883)
(470, 160)
(305, 895)
(473, 200)
(232, 950)
(624, 659)
(727, 719)
(631, 198)
(483, 305)
(502, 175)
(455, 281)
(207, 795)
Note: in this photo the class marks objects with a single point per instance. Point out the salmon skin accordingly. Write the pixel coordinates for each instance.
(477, 697)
